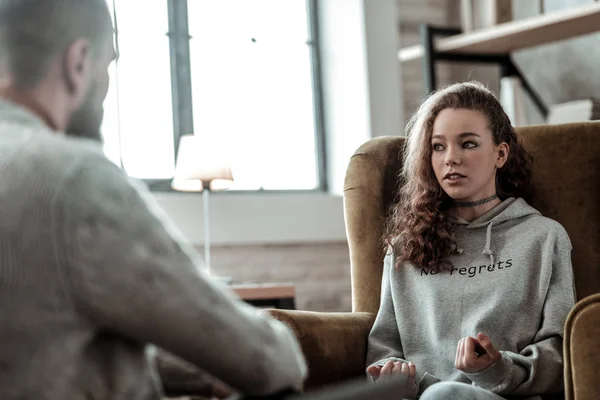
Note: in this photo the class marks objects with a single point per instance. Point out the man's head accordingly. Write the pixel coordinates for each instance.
(55, 56)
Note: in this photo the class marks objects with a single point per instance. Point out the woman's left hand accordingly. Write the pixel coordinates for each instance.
(476, 354)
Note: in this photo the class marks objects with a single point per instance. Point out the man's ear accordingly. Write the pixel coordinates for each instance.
(503, 150)
(77, 65)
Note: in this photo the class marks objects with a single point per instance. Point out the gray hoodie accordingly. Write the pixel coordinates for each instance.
(511, 280)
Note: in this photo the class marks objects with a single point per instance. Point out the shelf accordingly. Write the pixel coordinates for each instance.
(510, 36)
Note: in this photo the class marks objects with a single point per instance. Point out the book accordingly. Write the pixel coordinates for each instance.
(574, 111)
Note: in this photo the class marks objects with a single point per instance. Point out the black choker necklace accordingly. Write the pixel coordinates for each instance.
(475, 203)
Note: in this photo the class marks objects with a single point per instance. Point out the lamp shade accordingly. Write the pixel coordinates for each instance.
(202, 161)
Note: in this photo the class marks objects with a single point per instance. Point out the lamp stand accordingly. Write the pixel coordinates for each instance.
(205, 203)
(206, 206)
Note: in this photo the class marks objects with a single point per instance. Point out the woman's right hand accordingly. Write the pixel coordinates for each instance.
(392, 369)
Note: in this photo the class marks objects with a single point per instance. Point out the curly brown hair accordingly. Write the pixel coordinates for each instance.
(420, 228)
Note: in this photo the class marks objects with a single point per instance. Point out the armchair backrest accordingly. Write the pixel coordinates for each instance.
(566, 182)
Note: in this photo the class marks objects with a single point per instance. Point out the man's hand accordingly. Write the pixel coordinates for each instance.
(474, 355)
(394, 369)
(220, 390)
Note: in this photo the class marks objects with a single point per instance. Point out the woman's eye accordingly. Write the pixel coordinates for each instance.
(437, 147)
(469, 145)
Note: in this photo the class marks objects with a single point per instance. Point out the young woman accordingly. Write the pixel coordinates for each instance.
(477, 284)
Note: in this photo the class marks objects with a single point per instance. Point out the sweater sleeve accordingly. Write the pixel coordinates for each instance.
(132, 273)
(384, 343)
(384, 339)
(537, 368)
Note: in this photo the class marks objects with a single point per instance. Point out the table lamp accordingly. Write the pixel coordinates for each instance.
(202, 166)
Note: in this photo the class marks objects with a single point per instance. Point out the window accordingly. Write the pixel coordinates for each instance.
(250, 64)
(138, 120)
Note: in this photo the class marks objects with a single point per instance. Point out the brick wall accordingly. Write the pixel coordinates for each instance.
(412, 13)
(320, 272)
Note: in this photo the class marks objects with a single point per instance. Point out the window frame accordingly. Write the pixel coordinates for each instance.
(181, 91)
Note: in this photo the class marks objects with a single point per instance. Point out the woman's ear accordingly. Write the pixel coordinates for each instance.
(502, 154)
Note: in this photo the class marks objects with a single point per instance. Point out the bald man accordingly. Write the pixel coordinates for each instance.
(92, 275)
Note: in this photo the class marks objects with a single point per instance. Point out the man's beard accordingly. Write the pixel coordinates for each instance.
(86, 121)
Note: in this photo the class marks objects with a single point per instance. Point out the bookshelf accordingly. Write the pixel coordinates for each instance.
(494, 45)
(516, 35)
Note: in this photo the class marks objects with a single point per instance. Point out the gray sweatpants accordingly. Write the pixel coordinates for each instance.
(457, 391)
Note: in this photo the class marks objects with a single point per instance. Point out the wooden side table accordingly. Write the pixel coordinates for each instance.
(267, 295)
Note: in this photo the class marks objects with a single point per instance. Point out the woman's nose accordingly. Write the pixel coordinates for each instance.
(452, 157)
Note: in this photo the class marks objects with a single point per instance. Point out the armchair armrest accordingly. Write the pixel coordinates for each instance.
(581, 350)
(334, 344)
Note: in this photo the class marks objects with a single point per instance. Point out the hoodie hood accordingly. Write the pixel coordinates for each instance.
(510, 209)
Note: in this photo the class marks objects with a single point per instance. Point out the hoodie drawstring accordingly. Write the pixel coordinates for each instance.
(488, 243)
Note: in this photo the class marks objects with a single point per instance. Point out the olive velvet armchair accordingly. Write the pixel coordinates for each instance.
(566, 180)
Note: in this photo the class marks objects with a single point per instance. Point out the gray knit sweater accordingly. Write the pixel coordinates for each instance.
(92, 273)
